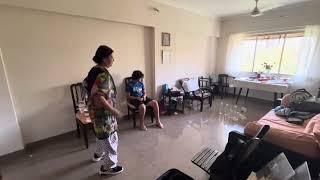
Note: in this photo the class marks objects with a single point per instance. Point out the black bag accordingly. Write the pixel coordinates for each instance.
(225, 166)
(298, 96)
(238, 159)
(174, 174)
(302, 100)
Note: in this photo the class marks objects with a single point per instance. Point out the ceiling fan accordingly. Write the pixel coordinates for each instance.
(256, 11)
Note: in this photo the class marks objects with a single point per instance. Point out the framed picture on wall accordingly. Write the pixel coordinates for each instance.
(166, 39)
(166, 57)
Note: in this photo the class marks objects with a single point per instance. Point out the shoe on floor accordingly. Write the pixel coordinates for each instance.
(96, 158)
(112, 171)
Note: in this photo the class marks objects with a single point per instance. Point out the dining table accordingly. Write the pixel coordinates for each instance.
(275, 86)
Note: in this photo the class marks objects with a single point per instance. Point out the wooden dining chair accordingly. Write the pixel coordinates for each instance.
(224, 84)
(205, 84)
(78, 93)
(132, 110)
(193, 92)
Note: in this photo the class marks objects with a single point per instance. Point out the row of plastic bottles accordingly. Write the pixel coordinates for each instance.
(233, 112)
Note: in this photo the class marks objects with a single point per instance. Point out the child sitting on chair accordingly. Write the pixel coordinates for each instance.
(136, 95)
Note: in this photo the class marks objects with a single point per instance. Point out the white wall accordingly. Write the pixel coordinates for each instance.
(193, 55)
(139, 12)
(48, 45)
(45, 53)
(127, 11)
(10, 135)
(281, 19)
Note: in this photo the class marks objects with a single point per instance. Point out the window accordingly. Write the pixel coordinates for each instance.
(279, 50)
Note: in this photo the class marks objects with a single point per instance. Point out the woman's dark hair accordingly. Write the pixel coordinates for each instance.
(102, 52)
(137, 75)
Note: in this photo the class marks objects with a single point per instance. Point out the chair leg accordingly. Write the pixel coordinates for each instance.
(176, 106)
(201, 107)
(134, 120)
(221, 92)
(275, 100)
(234, 92)
(210, 100)
(85, 136)
(152, 117)
(128, 113)
(78, 129)
(226, 91)
(183, 105)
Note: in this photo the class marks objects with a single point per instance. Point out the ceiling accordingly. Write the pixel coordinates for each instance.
(222, 8)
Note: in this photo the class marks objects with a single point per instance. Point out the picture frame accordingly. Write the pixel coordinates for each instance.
(166, 39)
(166, 57)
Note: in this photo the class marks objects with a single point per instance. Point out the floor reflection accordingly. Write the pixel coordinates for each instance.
(144, 155)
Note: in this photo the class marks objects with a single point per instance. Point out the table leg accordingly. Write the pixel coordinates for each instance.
(238, 95)
(275, 100)
(226, 91)
(234, 92)
(183, 104)
(245, 102)
(78, 128)
(169, 106)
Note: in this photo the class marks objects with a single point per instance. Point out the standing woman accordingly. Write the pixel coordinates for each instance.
(102, 111)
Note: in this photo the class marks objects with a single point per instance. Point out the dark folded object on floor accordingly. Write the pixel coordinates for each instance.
(174, 174)
(238, 159)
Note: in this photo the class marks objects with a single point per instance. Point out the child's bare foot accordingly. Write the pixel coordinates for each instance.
(143, 128)
(160, 125)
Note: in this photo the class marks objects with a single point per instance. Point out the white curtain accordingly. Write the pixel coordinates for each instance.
(308, 73)
(234, 56)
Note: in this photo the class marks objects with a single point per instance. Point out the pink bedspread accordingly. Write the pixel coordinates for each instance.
(297, 138)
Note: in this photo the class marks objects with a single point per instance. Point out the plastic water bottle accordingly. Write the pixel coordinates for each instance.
(235, 113)
(226, 110)
(244, 109)
(221, 108)
(242, 117)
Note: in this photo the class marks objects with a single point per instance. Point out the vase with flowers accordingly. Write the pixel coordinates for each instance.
(267, 67)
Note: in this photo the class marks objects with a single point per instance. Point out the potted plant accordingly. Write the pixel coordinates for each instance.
(267, 67)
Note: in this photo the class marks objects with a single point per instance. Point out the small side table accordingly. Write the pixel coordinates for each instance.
(174, 98)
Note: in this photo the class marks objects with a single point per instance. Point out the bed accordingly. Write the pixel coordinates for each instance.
(299, 142)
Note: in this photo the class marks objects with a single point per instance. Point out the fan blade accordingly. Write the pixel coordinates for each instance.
(271, 7)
